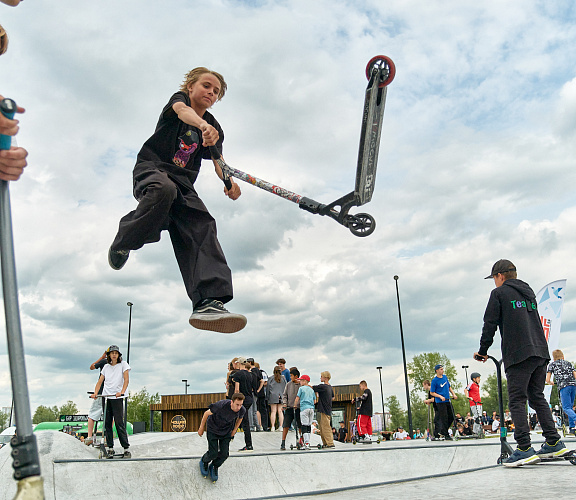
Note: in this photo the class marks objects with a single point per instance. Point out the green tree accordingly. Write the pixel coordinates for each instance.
(419, 411)
(45, 414)
(68, 408)
(397, 414)
(139, 408)
(489, 388)
(422, 367)
(3, 420)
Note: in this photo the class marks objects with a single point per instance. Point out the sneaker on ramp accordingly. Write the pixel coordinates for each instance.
(557, 449)
(522, 457)
(213, 316)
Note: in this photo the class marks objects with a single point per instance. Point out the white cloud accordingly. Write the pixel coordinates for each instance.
(476, 164)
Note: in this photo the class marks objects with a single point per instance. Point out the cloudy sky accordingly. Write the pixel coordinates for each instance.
(476, 164)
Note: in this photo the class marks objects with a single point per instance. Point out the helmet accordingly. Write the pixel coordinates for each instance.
(474, 375)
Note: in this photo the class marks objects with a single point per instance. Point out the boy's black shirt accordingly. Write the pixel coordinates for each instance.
(246, 381)
(366, 406)
(171, 147)
(223, 418)
(513, 310)
(325, 395)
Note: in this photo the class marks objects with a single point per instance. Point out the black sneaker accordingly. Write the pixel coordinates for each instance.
(212, 315)
(127, 453)
(117, 258)
(110, 453)
(282, 447)
(246, 448)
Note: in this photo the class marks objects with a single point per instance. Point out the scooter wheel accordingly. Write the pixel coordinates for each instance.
(499, 461)
(291, 446)
(361, 224)
(385, 62)
(319, 446)
(573, 460)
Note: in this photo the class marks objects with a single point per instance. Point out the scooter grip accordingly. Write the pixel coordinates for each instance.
(217, 156)
(8, 108)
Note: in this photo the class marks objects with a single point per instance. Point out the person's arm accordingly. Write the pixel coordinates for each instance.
(297, 402)
(467, 394)
(207, 413)
(126, 376)
(234, 192)
(93, 365)
(186, 114)
(491, 321)
(436, 395)
(549, 379)
(12, 3)
(97, 388)
(453, 393)
(9, 126)
(238, 422)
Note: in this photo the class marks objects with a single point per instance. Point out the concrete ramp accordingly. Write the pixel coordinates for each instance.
(72, 471)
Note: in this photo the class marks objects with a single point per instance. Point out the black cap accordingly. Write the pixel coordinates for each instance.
(502, 266)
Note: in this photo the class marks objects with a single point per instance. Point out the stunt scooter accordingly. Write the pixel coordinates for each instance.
(380, 72)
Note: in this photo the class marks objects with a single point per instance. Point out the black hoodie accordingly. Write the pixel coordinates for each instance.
(512, 308)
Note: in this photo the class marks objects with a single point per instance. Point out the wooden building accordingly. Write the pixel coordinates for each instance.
(183, 412)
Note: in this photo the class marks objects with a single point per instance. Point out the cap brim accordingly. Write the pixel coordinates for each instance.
(488, 277)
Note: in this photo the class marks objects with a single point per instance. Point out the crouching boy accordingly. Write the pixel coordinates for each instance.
(221, 421)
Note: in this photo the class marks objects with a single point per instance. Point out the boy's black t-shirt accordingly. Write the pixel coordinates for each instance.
(246, 381)
(342, 434)
(366, 406)
(325, 395)
(99, 365)
(175, 146)
(221, 422)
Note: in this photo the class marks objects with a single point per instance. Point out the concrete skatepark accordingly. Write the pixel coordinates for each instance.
(165, 465)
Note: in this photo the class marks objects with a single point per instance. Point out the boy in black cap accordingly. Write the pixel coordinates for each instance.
(512, 309)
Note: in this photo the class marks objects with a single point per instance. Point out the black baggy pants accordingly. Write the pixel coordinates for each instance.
(443, 418)
(526, 382)
(245, 424)
(218, 449)
(115, 410)
(164, 204)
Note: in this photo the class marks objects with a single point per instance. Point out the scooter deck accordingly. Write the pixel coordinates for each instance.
(570, 457)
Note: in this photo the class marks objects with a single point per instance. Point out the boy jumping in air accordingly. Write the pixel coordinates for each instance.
(166, 168)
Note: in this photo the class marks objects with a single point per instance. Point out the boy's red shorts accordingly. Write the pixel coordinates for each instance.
(364, 425)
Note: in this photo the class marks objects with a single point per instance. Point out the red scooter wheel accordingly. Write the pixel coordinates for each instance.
(385, 62)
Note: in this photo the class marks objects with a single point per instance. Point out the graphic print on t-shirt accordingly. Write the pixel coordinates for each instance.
(188, 143)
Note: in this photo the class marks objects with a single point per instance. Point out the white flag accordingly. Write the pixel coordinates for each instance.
(550, 300)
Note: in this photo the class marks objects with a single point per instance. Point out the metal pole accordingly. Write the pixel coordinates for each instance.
(186, 385)
(466, 371)
(129, 304)
(379, 368)
(404, 359)
(26, 461)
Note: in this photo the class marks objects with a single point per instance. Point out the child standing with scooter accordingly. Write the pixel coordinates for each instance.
(115, 377)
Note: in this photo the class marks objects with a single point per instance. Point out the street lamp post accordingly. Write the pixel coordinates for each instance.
(466, 371)
(186, 385)
(379, 368)
(129, 304)
(404, 359)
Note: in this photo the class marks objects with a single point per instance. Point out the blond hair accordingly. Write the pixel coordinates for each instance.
(194, 75)
(557, 354)
(3, 40)
(326, 374)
